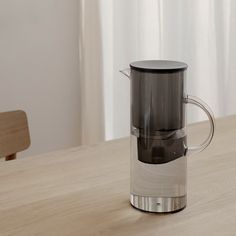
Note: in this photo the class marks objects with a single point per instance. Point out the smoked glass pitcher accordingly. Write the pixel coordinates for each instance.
(159, 147)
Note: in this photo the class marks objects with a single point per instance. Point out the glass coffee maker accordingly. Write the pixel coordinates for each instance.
(158, 136)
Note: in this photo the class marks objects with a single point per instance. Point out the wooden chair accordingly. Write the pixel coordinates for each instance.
(14, 134)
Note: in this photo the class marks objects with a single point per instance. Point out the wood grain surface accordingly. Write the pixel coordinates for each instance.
(85, 191)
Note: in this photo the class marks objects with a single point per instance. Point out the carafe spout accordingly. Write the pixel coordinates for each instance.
(126, 72)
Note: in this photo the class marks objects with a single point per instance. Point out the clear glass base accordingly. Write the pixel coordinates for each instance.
(158, 204)
(166, 180)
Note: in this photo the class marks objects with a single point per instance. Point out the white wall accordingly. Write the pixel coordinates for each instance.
(39, 69)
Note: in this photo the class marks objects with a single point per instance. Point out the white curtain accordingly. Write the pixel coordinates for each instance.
(91, 74)
(201, 33)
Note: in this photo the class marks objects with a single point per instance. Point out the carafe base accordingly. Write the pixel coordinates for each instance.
(158, 204)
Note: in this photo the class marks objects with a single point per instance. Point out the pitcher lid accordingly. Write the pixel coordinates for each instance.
(158, 66)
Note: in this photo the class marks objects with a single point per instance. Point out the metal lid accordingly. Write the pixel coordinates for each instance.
(158, 66)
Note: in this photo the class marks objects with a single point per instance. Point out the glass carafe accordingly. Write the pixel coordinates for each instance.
(159, 147)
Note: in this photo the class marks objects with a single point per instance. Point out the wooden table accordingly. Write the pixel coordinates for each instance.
(85, 191)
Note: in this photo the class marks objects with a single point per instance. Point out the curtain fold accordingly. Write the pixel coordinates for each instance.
(115, 33)
(91, 73)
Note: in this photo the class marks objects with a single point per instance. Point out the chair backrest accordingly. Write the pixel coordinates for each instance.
(14, 133)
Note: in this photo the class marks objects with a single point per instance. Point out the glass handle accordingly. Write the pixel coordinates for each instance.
(198, 102)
